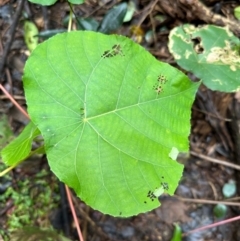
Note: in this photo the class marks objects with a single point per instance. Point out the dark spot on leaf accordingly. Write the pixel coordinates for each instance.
(120, 213)
(82, 111)
(162, 79)
(114, 51)
(158, 88)
(145, 202)
(197, 45)
(151, 195)
(165, 185)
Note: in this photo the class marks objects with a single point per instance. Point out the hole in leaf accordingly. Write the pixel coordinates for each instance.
(197, 45)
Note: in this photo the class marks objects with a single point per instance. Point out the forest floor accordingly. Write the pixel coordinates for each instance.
(32, 196)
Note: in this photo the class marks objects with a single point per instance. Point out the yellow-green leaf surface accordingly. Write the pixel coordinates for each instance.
(30, 35)
(110, 115)
(210, 52)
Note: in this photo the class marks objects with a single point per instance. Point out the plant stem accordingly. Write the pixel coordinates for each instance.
(14, 101)
(74, 213)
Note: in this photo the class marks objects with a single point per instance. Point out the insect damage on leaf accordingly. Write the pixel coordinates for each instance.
(116, 50)
(158, 86)
(151, 195)
(165, 185)
(226, 55)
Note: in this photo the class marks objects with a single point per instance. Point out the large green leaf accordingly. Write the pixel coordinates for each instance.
(112, 118)
(210, 52)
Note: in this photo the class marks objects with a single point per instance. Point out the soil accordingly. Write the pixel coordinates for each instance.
(215, 124)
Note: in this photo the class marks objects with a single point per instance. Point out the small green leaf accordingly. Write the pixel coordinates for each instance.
(149, 36)
(49, 33)
(237, 12)
(114, 18)
(20, 147)
(30, 35)
(130, 11)
(110, 114)
(220, 210)
(210, 52)
(43, 2)
(229, 189)
(177, 234)
(76, 1)
(87, 24)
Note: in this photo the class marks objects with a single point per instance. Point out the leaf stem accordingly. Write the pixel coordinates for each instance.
(212, 225)
(70, 18)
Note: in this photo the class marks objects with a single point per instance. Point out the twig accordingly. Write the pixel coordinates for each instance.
(98, 8)
(230, 220)
(14, 101)
(98, 229)
(212, 115)
(214, 160)
(70, 18)
(16, 97)
(205, 14)
(11, 35)
(150, 6)
(74, 213)
(204, 201)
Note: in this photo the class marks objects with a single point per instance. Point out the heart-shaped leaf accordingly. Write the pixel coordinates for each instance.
(111, 116)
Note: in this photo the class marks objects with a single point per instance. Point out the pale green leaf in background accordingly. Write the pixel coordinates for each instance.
(30, 35)
(237, 12)
(131, 8)
(229, 189)
(209, 52)
(110, 114)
